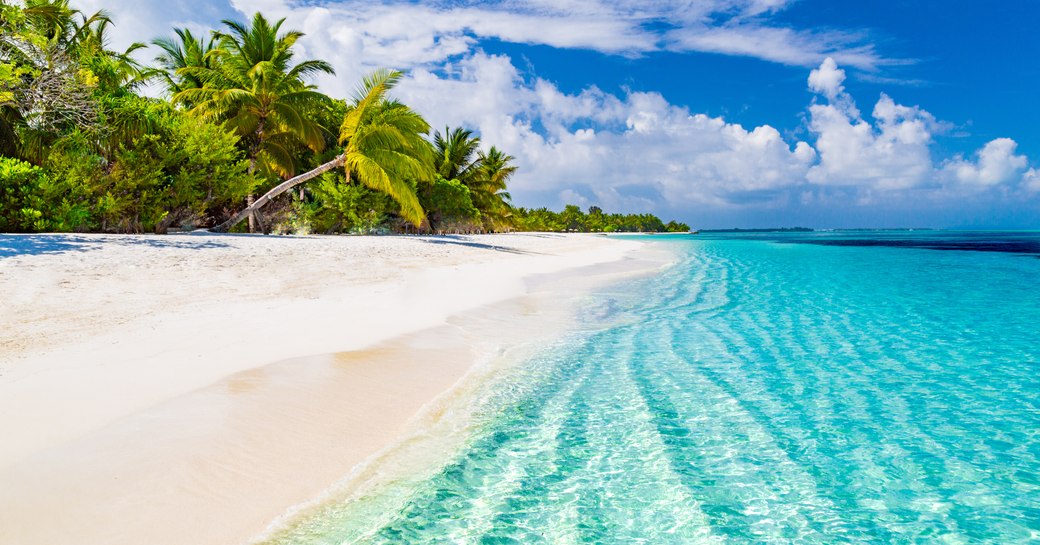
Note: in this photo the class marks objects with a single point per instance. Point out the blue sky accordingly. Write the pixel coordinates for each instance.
(722, 113)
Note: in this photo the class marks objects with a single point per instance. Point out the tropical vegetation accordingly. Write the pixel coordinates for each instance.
(240, 139)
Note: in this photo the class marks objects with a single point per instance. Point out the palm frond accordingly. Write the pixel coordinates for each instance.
(278, 159)
(372, 91)
(371, 174)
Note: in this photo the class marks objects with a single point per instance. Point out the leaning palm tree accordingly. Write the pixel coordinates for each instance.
(383, 148)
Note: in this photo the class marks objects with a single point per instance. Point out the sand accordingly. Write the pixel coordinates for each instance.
(193, 389)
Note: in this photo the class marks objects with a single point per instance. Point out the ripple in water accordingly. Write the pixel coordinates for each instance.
(756, 393)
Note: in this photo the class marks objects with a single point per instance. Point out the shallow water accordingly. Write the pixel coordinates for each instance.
(769, 388)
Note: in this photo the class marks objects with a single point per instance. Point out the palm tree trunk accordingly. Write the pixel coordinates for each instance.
(252, 215)
(251, 197)
(278, 190)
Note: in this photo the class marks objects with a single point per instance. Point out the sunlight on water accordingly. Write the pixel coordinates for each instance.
(763, 390)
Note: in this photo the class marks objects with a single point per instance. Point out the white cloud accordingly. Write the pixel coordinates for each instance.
(996, 163)
(827, 79)
(1031, 180)
(777, 44)
(405, 35)
(637, 149)
(893, 154)
(356, 37)
(145, 20)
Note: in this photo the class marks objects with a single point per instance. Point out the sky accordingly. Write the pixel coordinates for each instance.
(719, 113)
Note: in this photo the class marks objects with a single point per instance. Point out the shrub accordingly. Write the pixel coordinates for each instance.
(344, 207)
(166, 169)
(449, 206)
(21, 196)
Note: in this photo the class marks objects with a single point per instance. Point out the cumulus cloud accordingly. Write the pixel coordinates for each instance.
(892, 153)
(995, 163)
(827, 79)
(888, 158)
(636, 150)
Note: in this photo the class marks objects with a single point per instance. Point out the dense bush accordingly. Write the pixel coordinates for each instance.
(449, 206)
(22, 202)
(176, 171)
(348, 208)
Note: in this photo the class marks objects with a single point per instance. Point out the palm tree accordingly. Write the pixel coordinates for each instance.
(456, 154)
(488, 188)
(458, 157)
(254, 87)
(383, 148)
(55, 20)
(187, 51)
(116, 71)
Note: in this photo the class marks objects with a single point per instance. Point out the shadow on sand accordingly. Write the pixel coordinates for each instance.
(15, 245)
(461, 241)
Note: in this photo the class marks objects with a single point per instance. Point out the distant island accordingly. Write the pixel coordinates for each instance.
(761, 230)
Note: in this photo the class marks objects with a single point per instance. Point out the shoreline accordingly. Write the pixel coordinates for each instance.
(536, 320)
(120, 469)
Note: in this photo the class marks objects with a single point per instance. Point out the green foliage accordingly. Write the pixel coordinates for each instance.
(171, 170)
(572, 219)
(299, 219)
(185, 52)
(22, 205)
(538, 219)
(351, 208)
(35, 200)
(383, 144)
(457, 156)
(676, 227)
(250, 83)
(449, 206)
(489, 189)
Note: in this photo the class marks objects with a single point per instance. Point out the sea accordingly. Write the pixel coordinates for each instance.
(768, 387)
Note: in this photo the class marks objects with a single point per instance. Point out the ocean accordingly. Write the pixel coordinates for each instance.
(821, 387)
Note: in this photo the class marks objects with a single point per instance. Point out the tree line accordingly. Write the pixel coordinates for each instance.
(240, 141)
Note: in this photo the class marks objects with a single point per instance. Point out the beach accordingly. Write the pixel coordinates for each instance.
(193, 388)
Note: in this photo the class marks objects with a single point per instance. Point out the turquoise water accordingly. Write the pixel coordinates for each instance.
(769, 388)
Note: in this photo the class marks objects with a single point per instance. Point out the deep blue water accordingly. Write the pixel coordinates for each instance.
(854, 387)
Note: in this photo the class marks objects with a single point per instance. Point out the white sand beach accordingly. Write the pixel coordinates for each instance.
(191, 389)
